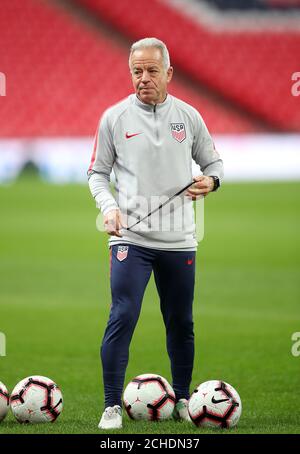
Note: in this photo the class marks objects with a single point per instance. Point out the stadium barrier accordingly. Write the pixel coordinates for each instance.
(247, 157)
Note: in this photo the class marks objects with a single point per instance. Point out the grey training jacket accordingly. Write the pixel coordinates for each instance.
(150, 149)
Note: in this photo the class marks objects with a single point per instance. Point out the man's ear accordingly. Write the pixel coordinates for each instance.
(170, 73)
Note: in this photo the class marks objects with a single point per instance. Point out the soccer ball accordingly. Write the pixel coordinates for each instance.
(149, 397)
(215, 403)
(36, 399)
(4, 401)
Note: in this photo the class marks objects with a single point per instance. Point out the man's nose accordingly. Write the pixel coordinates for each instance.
(145, 77)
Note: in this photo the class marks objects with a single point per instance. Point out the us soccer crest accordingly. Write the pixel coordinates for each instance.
(178, 131)
(122, 253)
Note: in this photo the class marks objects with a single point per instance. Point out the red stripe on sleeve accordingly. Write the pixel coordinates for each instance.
(94, 151)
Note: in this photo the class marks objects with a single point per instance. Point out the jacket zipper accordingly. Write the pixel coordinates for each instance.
(155, 122)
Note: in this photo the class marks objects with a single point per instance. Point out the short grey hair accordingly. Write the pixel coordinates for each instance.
(152, 42)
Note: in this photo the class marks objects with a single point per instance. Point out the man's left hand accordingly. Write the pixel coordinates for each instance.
(203, 185)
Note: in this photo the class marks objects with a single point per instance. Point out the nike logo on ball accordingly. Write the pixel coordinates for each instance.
(128, 136)
(214, 401)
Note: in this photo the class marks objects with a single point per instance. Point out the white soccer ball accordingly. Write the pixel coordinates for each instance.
(149, 397)
(215, 403)
(4, 401)
(36, 399)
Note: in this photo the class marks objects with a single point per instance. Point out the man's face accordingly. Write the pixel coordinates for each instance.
(149, 76)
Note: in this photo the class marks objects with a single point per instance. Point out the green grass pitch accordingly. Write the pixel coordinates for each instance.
(55, 297)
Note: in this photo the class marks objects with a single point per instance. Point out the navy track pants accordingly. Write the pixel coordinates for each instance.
(174, 273)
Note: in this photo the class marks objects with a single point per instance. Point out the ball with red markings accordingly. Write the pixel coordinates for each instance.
(149, 397)
(36, 399)
(4, 401)
(215, 403)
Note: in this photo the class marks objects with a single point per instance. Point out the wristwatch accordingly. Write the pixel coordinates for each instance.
(216, 182)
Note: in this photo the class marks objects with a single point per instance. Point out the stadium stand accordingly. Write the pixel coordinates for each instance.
(252, 69)
(61, 74)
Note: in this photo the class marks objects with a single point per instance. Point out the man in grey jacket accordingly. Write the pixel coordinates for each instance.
(149, 140)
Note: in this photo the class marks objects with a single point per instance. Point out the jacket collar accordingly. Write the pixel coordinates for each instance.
(151, 107)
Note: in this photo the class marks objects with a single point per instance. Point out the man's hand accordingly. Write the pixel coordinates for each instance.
(113, 223)
(203, 186)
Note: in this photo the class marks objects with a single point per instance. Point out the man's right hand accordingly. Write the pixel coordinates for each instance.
(113, 223)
